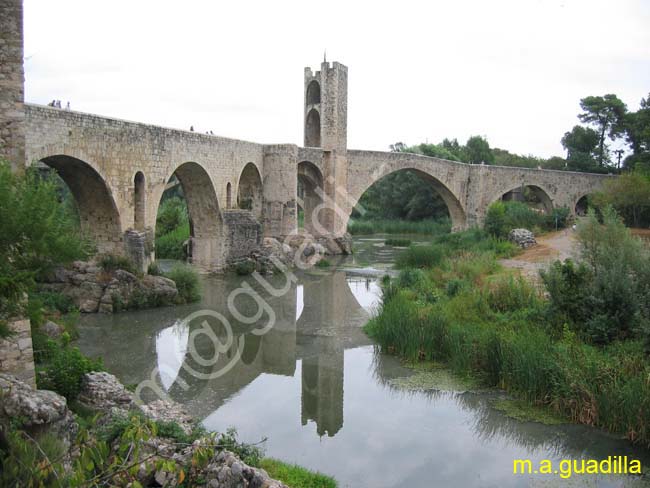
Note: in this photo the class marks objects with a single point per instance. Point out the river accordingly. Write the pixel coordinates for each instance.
(316, 388)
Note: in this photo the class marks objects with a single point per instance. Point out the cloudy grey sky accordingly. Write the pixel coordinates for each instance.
(511, 70)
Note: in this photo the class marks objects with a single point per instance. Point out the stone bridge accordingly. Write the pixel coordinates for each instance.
(237, 191)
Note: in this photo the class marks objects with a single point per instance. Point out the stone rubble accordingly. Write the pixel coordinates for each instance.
(522, 237)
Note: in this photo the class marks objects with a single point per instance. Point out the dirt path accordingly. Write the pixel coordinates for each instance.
(550, 247)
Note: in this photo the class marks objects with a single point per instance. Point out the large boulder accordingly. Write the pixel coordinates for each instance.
(522, 237)
(103, 392)
(38, 412)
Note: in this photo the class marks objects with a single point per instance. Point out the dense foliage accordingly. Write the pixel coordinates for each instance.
(502, 217)
(172, 228)
(187, 283)
(36, 233)
(629, 194)
(605, 296)
(579, 352)
(403, 195)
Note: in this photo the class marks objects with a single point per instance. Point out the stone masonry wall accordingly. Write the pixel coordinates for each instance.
(243, 234)
(12, 132)
(16, 353)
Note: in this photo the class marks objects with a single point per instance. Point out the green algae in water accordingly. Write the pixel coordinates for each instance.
(525, 412)
(432, 376)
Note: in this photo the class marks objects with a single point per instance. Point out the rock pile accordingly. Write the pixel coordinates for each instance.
(522, 237)
(93, 289)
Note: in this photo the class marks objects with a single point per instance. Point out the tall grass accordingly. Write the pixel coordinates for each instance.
(429, 227)
(499, 328)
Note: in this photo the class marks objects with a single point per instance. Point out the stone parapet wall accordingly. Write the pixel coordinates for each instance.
(17, 354)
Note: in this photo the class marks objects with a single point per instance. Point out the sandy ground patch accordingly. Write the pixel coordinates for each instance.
(550, 247)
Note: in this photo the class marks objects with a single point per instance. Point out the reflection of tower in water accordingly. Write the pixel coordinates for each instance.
(326, 301)
(322, 390)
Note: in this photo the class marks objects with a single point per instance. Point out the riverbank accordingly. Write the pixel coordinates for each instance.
(108, 439)
(466, 309)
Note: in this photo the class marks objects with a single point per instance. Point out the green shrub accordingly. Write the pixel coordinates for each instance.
(37, 233)
(64, 370)
(112, 262)
(187, 283)
(53, 301)
(510, 295)
(172, 214)
(170, 245)
(246, 267)
(420, 257)
(154, 269)
(502, 217)
(454, 286)
(568, 287)
(604, 297)
(398, 242)
(323, 263)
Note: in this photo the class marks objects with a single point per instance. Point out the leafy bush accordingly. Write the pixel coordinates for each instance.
(604, 297)
(172, 214)
(502, 217)
(64, 370)
(113, 262)
(154, 269)
(52, 301)
(187, 283)
(170, 245)
(246, 267)
(37, 233)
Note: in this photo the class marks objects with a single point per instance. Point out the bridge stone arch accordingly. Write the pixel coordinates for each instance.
(540, 193)
(446, 177)
(310, 194)
(98, 212)
(206, 223)
(250, 192)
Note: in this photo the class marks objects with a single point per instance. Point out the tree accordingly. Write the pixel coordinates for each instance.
(581, 145)
(454, 147)
(37, 232)
(434, 151)
(477, 150)
(606, 113)
(629, 194)
(637, 134)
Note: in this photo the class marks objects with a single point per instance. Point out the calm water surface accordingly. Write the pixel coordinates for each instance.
(315, 386)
